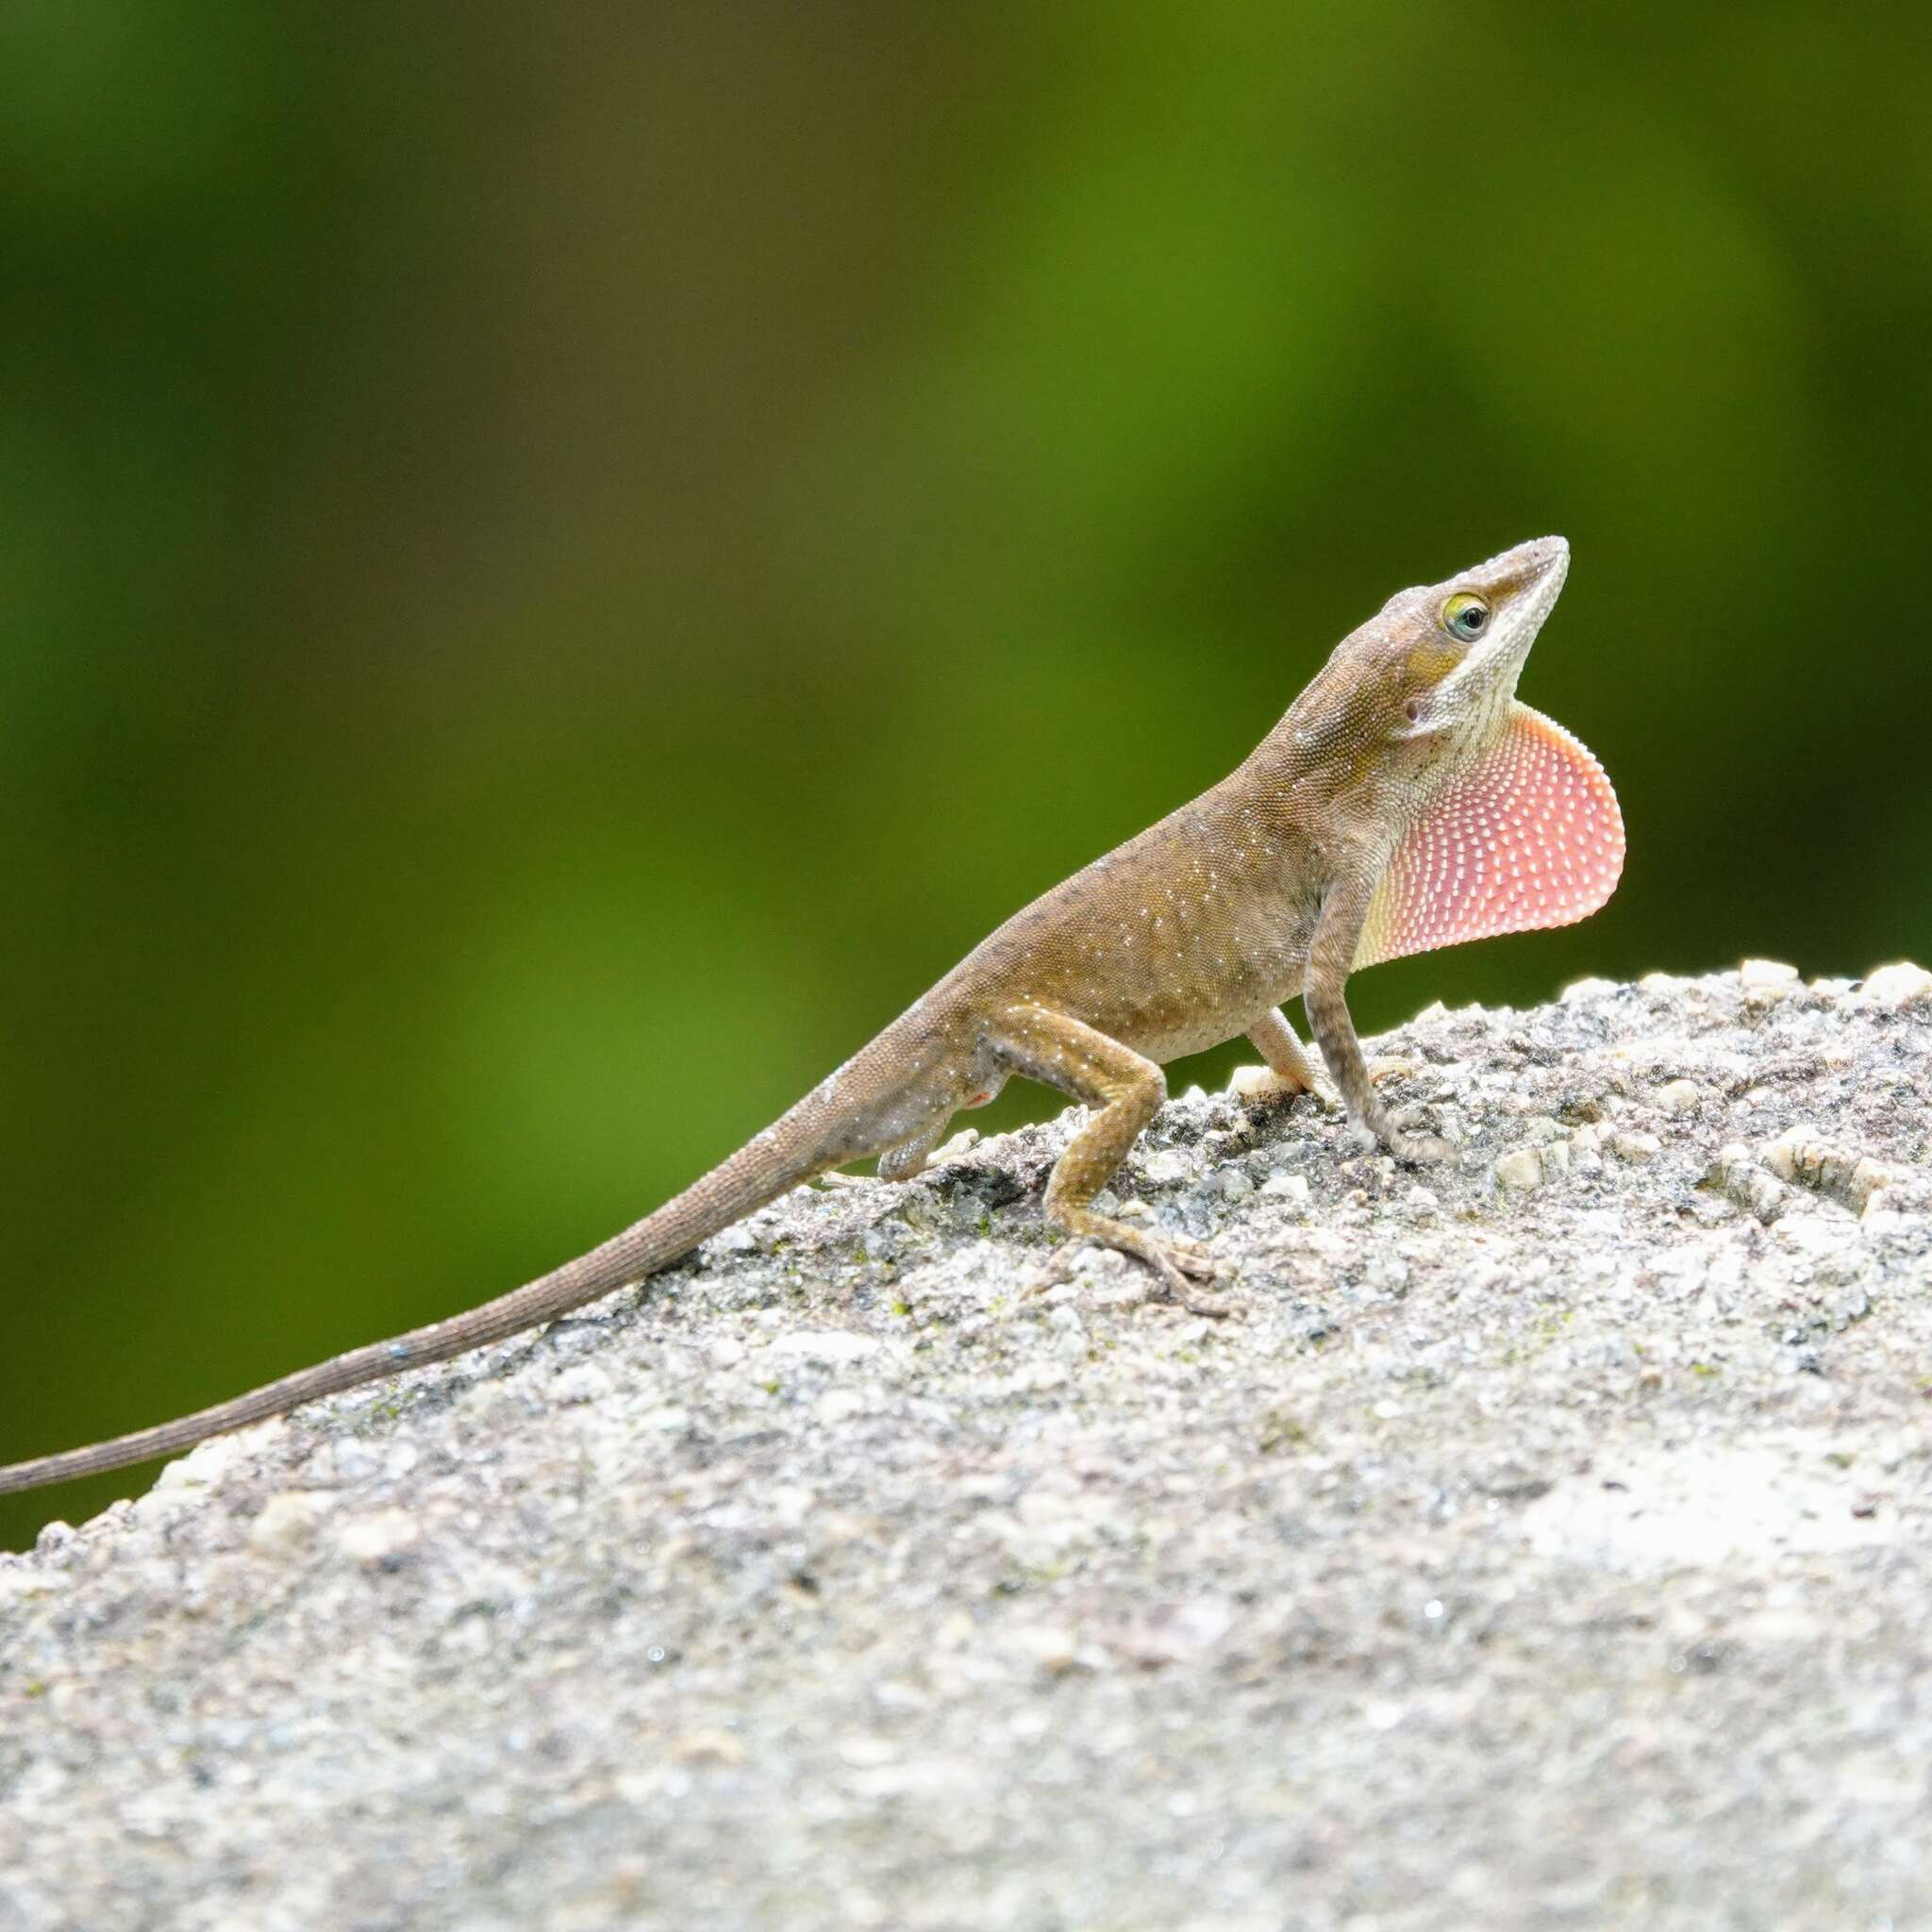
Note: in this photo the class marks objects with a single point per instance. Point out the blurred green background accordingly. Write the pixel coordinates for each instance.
(558, 565)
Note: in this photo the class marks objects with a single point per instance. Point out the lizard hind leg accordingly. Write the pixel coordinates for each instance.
(1124, 1091)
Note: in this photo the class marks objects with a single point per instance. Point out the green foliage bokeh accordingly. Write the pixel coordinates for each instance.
(556, 568)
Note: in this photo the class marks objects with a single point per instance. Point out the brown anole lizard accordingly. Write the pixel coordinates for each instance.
(1405, 801)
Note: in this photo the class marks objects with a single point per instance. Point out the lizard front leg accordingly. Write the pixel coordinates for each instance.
(904, 1162)
(901, 1163)
(910, 1159)
(1125, 1092)
(1273, 1037)
(1331, 955)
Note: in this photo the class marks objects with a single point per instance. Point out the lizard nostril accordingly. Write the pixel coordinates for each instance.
(1413, 710)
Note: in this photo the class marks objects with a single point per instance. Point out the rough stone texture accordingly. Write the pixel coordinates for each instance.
(1544, 1542)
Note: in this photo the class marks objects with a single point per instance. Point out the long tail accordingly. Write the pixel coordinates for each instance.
(813, 1137)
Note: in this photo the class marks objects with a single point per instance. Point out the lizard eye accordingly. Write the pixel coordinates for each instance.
(1466, 617)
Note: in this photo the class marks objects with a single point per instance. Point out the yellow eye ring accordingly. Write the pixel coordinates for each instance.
(1465, 616)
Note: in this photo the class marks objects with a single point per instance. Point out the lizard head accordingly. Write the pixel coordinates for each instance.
(1424, 685)
(1454, 650)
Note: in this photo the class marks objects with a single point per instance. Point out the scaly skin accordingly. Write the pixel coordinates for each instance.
(1404, 801)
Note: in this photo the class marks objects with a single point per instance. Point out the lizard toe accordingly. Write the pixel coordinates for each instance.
(1179, 1264)
(1193, 1262)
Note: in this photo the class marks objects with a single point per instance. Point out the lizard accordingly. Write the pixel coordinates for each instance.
(1407, 800)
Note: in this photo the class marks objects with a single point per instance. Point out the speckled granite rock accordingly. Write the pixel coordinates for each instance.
(1546, 1540)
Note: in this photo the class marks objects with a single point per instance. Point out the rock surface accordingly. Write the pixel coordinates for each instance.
(1542, 1541)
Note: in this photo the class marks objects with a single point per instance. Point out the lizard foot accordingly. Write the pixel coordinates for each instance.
(1179, 1263)
(834, 1180)
(1420, 1150)
(961, 1144)
(1177, 1287)
(1176, 1265)
(1264, 1087)
(1416, 1149)
(1412, 1150)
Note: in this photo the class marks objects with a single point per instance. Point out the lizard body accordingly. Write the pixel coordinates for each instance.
(1405, 801)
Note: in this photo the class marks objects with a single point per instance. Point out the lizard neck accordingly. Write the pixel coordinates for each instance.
(1308, 774)
(1323, 775)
